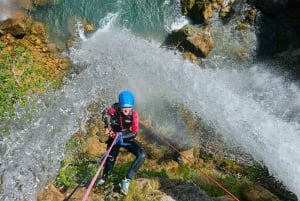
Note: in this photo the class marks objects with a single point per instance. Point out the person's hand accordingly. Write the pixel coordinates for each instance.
(109, 133)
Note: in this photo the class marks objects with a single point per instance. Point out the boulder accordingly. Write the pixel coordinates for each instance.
(251, 192)
(17, 25)
(197, 41)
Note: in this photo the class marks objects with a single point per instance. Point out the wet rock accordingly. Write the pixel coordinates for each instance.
(183, 191)
(197, 41)
(223, 198)
(24, 4)
(199, 11)
(49, 193)
(17, 25)
(252, 192)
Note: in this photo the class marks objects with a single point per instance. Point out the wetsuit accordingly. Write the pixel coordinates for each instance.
(128, 125)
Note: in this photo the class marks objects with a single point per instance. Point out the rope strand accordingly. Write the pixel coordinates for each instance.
(201, 171)
(84, 198)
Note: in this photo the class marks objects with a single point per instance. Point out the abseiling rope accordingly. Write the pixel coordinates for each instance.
(99, 169)
(85, 178)
(202, 172)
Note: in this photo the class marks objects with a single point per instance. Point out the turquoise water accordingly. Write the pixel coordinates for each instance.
(148, 18)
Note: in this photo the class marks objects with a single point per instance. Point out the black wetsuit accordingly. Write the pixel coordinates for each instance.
(128, 125)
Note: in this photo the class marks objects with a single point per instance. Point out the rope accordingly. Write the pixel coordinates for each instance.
(84, 198)
(85, 178)
(201, 171)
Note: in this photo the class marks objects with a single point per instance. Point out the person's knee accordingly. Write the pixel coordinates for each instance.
(111, 158)
(142, 154)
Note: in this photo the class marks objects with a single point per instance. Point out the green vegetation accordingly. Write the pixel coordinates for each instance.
(253, 171)
(20, 74)
(73, 169)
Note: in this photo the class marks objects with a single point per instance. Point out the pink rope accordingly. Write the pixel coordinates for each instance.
(87, 192)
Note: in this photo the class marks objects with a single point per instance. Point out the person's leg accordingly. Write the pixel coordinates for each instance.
(109, 164)
(140, 154)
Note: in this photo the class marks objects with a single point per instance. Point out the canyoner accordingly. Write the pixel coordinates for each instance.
(121, 125)
(122, 119)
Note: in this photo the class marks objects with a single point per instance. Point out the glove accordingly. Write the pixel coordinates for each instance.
(109, 133)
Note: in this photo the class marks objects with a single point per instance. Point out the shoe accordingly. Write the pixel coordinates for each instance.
(124, 186)
(100, 182)
(180, 159)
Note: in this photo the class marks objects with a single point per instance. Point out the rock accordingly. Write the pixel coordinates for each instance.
(93, 147)
(251, 16)
(18, 26)
(186, 6)
(38, 29)
(189, 157)
(197, 41)
(95, 194)
(50, 193)
(198, 10)
(226, 13)
(223, 198)
(183, 191)
(252, 192)
(193, 58)
(25, 4)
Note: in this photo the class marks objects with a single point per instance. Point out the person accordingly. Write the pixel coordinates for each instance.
(123, 119)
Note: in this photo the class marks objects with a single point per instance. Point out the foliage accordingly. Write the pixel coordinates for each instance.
(20, 73)
(193, 175)
(230, 183)
(160, 174)
(73, 168)
(183, 172)
(138, 192)
(119, 172)
(253, 171)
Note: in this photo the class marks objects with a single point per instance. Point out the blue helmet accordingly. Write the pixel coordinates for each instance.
(126, 99)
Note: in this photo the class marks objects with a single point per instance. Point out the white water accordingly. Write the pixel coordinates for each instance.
(5, 9)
